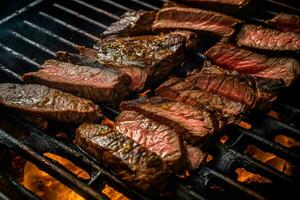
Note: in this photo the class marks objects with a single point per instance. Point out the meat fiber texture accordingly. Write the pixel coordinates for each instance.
(259, 37)
(131, 162)
(232, 57)
(195, 20)
(194, 125)
(42, 101)
(101, 84)
(285, 22)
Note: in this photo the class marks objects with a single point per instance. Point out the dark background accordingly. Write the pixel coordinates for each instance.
(8, 6)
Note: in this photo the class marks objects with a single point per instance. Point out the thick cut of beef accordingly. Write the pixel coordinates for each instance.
(183, 91)
(98, 84)
(194, 19)
(195, 125)
(146, 59)
(286, 22)
(232, 57)
(156, 137)
(196, 157)
(132, 23)
(260, 37)
(42, 101)
(130, 161)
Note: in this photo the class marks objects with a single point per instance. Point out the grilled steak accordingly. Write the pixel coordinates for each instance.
(131, 23)
(41, 101)
(183, 91)
(97, 84)
(194, 19)
(155, 137)
(238, 3)
(195, 156)
(190, 38)
(232, 57)
(260, 37)
(146, 59)
(195, 125)
(130, 161)
(286, 22)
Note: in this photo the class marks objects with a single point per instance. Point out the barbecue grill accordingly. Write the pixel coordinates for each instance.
(32, 34)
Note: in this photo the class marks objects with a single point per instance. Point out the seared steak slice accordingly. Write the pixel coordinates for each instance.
(237, 3)
(195, 125)
(177, 89)
(196, 157)
(41, 101)
(130, 161)
(194, 19)
(156, 137)
(98, 84)
(260, 37)
(146, 59)
(286, 22)
(132, 23)
(190, 38)
(232, 57)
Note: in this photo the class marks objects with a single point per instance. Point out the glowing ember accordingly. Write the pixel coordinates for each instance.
(224, 138)
(108, 122)
(274, 114)
(113, 194)
(245, 125)
(247, 177)
(286, 141)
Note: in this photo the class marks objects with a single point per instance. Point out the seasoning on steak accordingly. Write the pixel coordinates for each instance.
(225, 110)
(130, 161)
(194, 19)
(285, 22)
(98, 84)
(196, 157)
(191, 38)
(195, 125)
(156, 137)
(259, 37)
(131, 23)
(146, 59)
(42, 101)
(232, 57)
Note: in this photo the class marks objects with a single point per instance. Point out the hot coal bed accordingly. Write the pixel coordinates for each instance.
(35, 33)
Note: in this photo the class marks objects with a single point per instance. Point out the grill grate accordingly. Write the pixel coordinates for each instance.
(34, 33)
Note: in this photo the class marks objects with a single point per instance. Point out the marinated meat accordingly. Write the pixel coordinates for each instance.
(156, 137)
(260, 37)
(98, 84)
(146, 59)
(232, 57)
(226, 110)
(196, 157)
(286, 22)
(41, 101)
(130, 161)
(193, 124)
(194, 19)
(131, 23)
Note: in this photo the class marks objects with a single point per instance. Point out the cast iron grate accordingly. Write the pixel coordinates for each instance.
(35, 32)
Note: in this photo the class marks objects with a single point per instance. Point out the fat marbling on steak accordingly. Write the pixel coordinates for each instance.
(193, 124)
(98, 84)
(195, 20)
(285, 22)
(131, 162)
(42, 101)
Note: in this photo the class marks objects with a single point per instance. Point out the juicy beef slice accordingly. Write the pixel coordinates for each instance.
(259, 37)
(42, 101)
(146, 59)
(285, 22)
(196, 157)
(179, 90)
(130, 161)
(195, 125)
(98, 84)
(232, 57)
(131, 23)
(156, 137)
(194, 19)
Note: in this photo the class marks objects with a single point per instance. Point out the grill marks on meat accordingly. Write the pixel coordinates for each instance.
(146, 59)
(132, 23)
(41, 101)
(183, 91)
(194, 19)
(232, 57)
(195, 125)
(260, 37)
(155, 137)
(98, 84)
(286, 22)
(130, 161)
